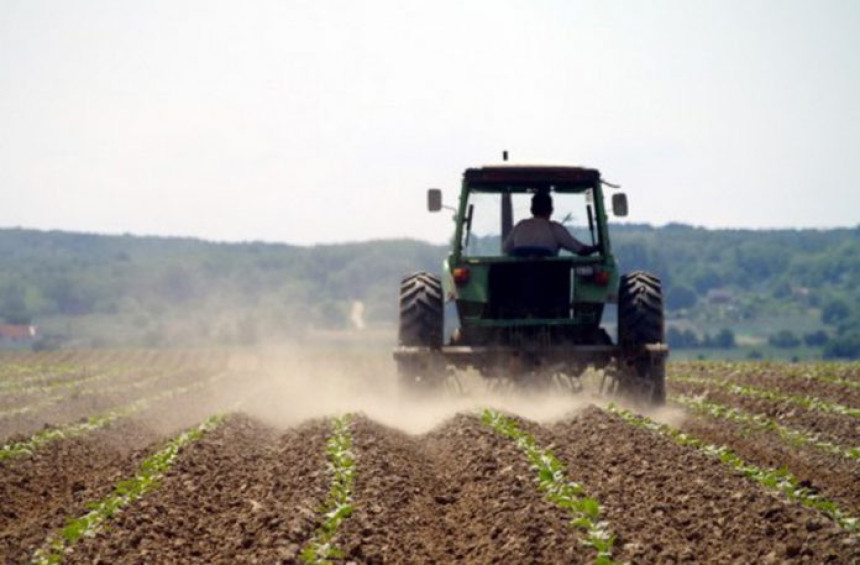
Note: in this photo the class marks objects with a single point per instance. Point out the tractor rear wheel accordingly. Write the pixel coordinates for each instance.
(421, 325)
(421, 311)
(641, 322)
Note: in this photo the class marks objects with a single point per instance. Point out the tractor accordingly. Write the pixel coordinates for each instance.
(532, 316)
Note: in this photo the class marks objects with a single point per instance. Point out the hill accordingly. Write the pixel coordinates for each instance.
(768, 288)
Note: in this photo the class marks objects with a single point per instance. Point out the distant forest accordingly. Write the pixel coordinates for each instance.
(759, 289)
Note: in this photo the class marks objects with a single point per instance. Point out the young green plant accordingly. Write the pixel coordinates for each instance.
(807, 402)
(150, 471)
(338, 505)
(777, 479)
(41, 439)
(551, 479)
(760, 422)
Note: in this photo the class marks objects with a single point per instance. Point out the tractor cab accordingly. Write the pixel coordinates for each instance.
(508, 292)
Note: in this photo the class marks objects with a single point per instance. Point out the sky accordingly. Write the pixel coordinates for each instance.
(315, 121)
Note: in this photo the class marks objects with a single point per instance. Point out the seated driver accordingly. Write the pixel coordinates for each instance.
(541, 232)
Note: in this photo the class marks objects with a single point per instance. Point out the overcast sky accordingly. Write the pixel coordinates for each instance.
(318, 121)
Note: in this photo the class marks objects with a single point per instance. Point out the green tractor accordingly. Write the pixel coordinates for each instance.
(529, 315)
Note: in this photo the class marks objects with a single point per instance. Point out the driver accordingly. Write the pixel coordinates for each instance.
(542, 233)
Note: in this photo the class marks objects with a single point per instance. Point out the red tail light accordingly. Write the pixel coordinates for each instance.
(461, 275)
(601, 278)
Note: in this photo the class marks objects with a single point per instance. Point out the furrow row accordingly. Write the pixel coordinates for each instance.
(761, 422)
(76, 390)
(489, 489)
(777, 479)
(41, 439)
(339, 502)
(42, 386)
(557, 489)
(806, 402)
(150, 471)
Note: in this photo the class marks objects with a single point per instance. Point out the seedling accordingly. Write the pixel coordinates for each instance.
(776, 479)
(761, 422)
(551, 479)
(338, 505)
(808, 402)
(151, 470)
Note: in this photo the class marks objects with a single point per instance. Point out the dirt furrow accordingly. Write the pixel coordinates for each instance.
(186, 398)
(461, 493)
(788, 379)
(242, 494)
(667, 503)
(834, 477)
(37, 377)
(840, 429)
(830, 392)
(39, 493)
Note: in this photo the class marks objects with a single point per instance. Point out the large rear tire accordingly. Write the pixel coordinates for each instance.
(421, 311)
(421, 325)
(641, 322)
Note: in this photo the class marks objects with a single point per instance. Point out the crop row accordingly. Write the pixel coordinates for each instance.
(48, 436)
(150, 471)
(807, 402)
(557, 489)
(550, 478)
(836, 373)
(19, 371)
(778, 479)
(338, 505)
(15, 376)
(760, 422)
(76, 392)
(551, 481)
(24, 367)
(45, 387)
(42, 402)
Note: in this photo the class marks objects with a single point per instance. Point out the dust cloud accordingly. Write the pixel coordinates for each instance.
(290, 384)
(672, 416)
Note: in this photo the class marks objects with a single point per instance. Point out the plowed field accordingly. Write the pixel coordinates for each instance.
(115, 457)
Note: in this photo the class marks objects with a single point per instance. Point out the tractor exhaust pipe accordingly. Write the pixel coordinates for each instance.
(507, 211)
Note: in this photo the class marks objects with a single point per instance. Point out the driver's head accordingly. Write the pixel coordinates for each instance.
(542, 205)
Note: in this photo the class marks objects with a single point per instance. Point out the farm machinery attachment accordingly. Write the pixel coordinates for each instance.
(527, 314)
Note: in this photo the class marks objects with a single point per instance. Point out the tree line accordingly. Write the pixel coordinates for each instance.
(167, 290)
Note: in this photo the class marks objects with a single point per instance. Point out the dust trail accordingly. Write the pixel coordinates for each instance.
(673, 416)
(295, 384)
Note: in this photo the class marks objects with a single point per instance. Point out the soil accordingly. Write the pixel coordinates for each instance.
(39, 493)
(775, 378)
(243, 494)
(668, 503)
(461, 493)
(74, 405)
(837, 428)
(251, 491)
(834, 477)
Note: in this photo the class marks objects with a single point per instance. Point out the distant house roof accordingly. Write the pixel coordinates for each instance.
(11, 331)
(720, 295)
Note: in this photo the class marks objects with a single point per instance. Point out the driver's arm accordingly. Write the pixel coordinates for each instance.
(567, 241)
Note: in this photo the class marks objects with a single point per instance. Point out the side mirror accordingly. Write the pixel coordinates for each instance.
(434, 200)
(619, 204)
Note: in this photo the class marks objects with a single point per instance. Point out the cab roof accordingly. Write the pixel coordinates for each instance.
(525, 178)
